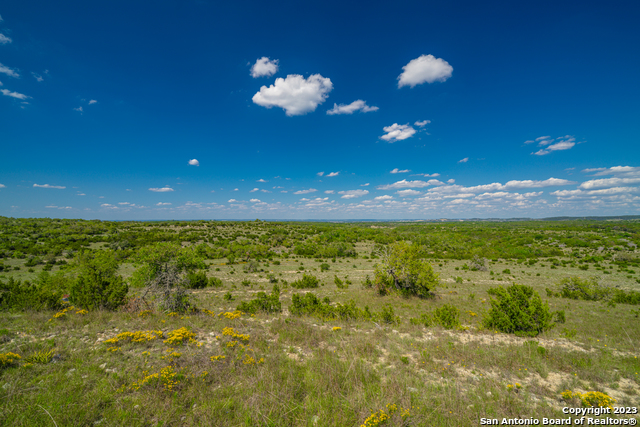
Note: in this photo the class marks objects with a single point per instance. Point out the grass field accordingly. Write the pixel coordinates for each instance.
(228, 368)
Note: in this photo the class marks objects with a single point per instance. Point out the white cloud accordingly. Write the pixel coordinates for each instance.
(608, 182)
(265, 191)
(396, 170)
(364, 185)
(264, 67)
(124, 203)
(563, 143)
(295, 94)
(38, 77)
(93, 101)
(107, 205)
(465, 160)
(16, 95)
(451, 181)
(161, 190)
(194, 162)
(385, 197)
(261, 180)
(551, 182)
(8, 71)
(57, 187)
(409, 184)
(424, 69)
(311, 190)
(320, 173)
(620, 171)
(555, 147)
(4, 39)
(254, 190)
(352, 194)
(329, 192)
(232, 201)
(333, 174)
(163, 204)
(255, 201)
(78, 109)
(530, 141)
(405, 193)
(358, 105)
(2, 186)
(397, 132)
(422, 123)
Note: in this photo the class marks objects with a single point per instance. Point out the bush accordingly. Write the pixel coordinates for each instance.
(45, 294)
(519, 310)
(263, 302)
(251, 267)
(308, 281)
(215, 282)
(339, 283)
(197, 280)
(402, 270)
(97, 284)
(324, 267)
(589, 289)
(447, 316)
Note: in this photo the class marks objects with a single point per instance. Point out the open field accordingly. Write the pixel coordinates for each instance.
(136, 366)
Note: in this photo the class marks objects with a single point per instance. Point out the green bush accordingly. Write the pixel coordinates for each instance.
(447, 316)
(403, 270)
(588, 289)
(197, 280)
(44, 294)
(339, 283)
(215, 282)
(306, 282)
(519, 310)
(98, 285)
(263, 302)
(324, 267)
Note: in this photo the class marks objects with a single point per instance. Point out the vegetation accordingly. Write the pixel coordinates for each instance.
(399, 323)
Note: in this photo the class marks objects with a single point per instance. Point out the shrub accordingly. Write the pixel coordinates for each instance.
(339, 283)
(251, 267)
(215, 282)
(324, 267)
(263, 302)
(518, 309)
(97, 284)
(197, 280)
(45, 294)
(306, 282)
(588, 289)
(402, 270)
(447, 316)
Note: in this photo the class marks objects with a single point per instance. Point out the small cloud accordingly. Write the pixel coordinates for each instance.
(163, 204)
(264, 67)
(9, 71)
(93, 101)
(409, 184)
(161, 190)
(4, 39)
(397, 132)
(333, 174)
(255, 201)
(311, 190)
(254, 190)
(78, 109)
(295, 94)
(57, 187)
(320, 173)
(530, 141)
(364, 185)
(451, 181)
(235, 189)
(107, 205)
(38, 77)
(352, 194)
(265, 191)
(405, 193)
(465, 160)
(424, 69)
(261, 180)
(329, 192)
(232, 201)
(422, 123)
(358, 105)
(385, 197)
(396, 170)
(194, 162)
(2, 186)
(124, 203)
(16, 95)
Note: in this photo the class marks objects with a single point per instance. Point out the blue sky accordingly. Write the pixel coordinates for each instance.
(289, 110)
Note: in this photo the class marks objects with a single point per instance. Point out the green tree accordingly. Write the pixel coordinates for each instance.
(401, 269)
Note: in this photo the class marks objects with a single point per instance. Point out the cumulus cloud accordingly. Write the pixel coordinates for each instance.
(465, 160)
(194, 162)
(78, 109)
(385, 197)
(4, 39)
(551, 182)
(93, 101)
(8, 71)
(329, 192)
(311, 190)
(396, 170)
(424, 69)
(163, 204)
(2, 186)
(405, 193)
(264, 67)
(397, 132)
(295, 94)
(320, 173)
(364, 185)
(619, 171)
(261, 180)
(232, 201)
(333, 174)
(358, 105)
(409, 184)
(57, 187)
(451, 181)
(255, 201)
(352, 194)
(422, 123)
(254, 190)
(38, 77)
(608, 182)
(165, 189)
